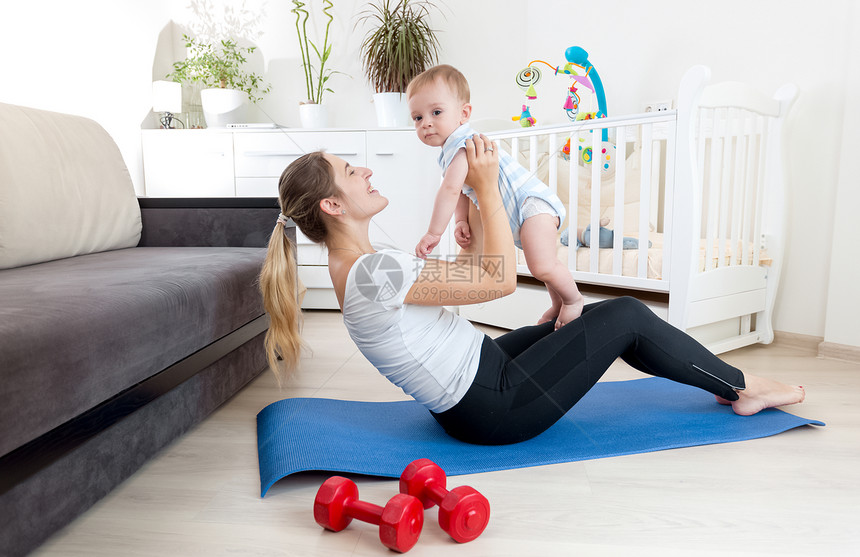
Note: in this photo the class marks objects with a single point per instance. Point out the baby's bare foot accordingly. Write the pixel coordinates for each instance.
(548, 315)
(568, 313)
(761, 393)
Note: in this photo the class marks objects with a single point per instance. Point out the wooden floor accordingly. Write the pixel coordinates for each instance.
(797, 493)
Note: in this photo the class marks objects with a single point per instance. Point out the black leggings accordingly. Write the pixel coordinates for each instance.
(529, 378)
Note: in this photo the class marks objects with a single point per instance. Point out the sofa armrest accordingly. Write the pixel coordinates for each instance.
(208, 221)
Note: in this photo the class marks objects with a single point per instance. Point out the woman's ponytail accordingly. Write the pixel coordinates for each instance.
(303, 184)
(279, 285)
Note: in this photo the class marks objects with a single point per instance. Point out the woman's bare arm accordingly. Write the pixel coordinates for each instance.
(490, 274)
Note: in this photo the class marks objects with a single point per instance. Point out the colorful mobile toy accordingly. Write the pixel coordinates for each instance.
(527, 78)
(582, 74)
(606, 158)
(525, 118)
(586, 154)
(571, 106)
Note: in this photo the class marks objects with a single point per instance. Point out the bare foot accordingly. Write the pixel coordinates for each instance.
(549, 314)
(568, 313)
(761, 393)
(723, 401)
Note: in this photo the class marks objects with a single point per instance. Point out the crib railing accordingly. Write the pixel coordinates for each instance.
(705, 176)
(734, 165)
(641, 149)
(732, 146)
(708, 180)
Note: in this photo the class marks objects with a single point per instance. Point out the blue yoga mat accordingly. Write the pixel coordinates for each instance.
(614, 418)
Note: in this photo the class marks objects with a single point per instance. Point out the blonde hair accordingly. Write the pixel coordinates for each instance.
(449, 74)
(303, 184)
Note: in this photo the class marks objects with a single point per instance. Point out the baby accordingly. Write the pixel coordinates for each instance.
(439, 103)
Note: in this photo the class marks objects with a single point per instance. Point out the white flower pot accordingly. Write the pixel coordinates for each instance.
(391, 110)
(313, 115)
(223, 106)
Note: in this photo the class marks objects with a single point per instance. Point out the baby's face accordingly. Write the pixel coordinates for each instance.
(437, 112)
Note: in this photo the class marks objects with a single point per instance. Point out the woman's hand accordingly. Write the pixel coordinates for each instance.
(483, 159)
(493, 273)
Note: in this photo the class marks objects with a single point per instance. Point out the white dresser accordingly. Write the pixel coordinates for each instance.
(248, 163)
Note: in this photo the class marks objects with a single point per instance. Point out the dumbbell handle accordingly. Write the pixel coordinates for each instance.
(434, 491)
(364, 511)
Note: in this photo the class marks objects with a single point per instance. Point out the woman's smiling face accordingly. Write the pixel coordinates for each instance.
(359, 198)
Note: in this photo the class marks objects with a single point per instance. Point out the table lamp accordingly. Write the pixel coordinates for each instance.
(167, 99)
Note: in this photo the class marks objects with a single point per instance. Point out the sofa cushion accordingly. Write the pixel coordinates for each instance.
(64, 188)
(77, 331)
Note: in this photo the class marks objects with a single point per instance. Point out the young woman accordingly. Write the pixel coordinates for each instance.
(481, 390)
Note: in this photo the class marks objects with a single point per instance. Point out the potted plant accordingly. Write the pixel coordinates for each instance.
(220, 70)
(399, 45)
(312, 112)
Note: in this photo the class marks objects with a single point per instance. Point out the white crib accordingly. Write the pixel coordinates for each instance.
(703, 183)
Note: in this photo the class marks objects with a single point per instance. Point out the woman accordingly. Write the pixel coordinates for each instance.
(481, 390)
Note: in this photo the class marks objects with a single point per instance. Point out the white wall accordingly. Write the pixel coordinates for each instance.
(843, 302)
(642, 49)
(98, 57)
(89, 57)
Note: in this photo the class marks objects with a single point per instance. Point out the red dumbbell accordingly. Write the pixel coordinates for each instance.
(400, 522)
(463, 511)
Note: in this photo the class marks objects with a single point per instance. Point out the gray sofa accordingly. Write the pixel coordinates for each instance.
(123, 321)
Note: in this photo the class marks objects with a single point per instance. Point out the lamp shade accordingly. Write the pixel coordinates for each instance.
(166, 96)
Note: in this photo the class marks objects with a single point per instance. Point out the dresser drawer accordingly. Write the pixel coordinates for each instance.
(320, 293)
(188, 163)
(257, 187)
(308, 253)
(315, 276)
(265, 154)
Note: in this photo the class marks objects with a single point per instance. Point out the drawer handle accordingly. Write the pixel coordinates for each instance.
(270, 154)
(384, 154)
(286, 154)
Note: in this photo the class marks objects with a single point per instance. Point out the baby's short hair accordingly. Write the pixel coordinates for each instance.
(449, 74)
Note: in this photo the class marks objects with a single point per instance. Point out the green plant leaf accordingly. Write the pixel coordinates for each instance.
(315, 77)
(399, 44)
(219, 66)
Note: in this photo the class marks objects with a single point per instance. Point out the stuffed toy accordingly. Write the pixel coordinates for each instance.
(605, 237)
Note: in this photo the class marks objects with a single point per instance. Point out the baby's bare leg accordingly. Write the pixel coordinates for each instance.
(555, 305)
(539, 240)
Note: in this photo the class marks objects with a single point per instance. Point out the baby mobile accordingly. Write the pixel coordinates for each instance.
(583, 75)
